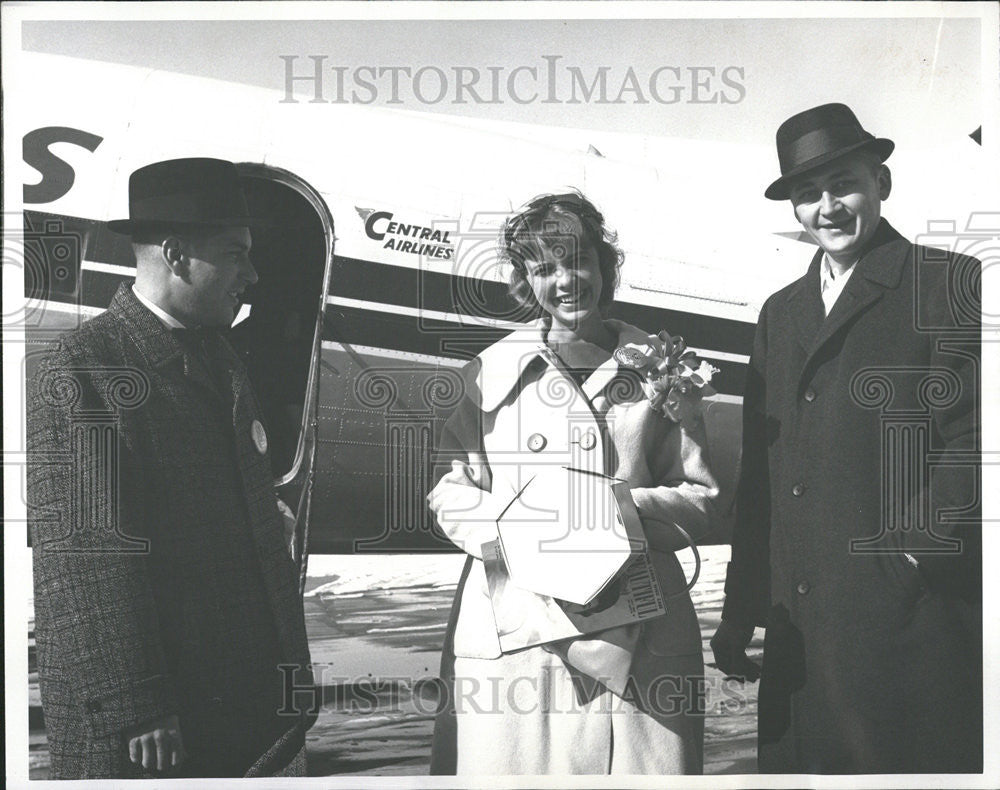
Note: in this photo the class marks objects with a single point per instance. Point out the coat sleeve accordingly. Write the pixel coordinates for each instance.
(748, 577)
(461, 501)
(687, 491)
(96, 619)
(951, 505)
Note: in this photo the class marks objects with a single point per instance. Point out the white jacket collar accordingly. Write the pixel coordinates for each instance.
(501, 365)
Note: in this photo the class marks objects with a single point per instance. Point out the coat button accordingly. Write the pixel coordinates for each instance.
(217, 701)
(803, 588)
(588, 441)
(810, 395)
(536, 442)
(93, 706)
(798, 489)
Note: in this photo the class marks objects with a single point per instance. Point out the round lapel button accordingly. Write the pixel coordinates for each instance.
(588, 441)
(259, 436)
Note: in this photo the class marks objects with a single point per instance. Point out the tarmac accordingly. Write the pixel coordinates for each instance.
(376, 626)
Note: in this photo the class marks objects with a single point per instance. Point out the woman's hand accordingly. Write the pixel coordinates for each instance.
(464, 508)
(461, 474)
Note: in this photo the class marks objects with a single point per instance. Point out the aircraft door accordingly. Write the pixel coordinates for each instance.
(279, 339)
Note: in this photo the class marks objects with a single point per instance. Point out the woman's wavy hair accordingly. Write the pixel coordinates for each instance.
(532, 230)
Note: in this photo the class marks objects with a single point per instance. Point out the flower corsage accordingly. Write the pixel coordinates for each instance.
(670, 371)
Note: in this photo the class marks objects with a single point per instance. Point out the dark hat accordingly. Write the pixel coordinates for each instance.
(196, 192)
(817, 136)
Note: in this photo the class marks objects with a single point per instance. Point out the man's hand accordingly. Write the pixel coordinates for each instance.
(730, 648)
(157, 744)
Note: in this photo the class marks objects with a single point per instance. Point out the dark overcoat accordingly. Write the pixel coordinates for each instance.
(163, 584)
(858, 536)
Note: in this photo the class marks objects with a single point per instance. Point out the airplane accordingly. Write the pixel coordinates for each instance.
(378, 271)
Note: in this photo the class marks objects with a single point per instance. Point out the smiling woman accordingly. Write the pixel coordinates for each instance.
(627, 699)
(575, 240)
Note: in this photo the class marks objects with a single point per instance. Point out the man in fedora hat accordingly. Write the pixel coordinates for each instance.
(168, 623)
(857, 543)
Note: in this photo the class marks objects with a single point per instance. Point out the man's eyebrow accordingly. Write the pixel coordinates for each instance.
(808, 182)
(841, 173)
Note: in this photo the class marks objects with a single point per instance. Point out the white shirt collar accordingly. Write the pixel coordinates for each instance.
(831, 285)
(168, 320)
(827, 277)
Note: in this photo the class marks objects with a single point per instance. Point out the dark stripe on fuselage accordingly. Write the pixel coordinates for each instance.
(447, 293)
(418, 335)
(384, 284)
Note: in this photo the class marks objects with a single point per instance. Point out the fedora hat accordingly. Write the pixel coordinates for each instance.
(812, 138)
(195, 192)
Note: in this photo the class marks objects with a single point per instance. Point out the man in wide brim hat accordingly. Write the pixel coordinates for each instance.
(166, 602)
(195, 192)
(190, 229)
(872, 602)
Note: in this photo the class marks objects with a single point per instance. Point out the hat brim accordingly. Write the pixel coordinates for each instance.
(778, 190)
(128, 227)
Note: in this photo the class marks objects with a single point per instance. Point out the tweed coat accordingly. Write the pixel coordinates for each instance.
(859, 465)
(515, 394)
(162, 581)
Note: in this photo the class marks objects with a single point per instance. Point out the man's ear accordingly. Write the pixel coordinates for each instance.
(172, 252)
(884, 182)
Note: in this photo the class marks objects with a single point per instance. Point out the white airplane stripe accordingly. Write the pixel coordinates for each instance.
(372, 351)
(66, 307)
(438, 315)
(108, 268)
(419, 312)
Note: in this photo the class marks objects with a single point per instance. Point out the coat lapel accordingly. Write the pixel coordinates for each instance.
(502, 364)
(234, 383)
(500, 367)
(805, 305)
(878, 269)
(157, 346)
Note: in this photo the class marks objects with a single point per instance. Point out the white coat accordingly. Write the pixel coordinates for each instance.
(523, 413)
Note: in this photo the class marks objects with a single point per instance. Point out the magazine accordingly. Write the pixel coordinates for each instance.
(569, 533)
(525, 619)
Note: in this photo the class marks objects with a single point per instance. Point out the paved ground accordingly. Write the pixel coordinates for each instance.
(375, 650)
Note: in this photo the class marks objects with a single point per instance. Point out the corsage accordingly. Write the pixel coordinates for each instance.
(669, 371)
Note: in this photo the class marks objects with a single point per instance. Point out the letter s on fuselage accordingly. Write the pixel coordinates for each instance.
(57, 174)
